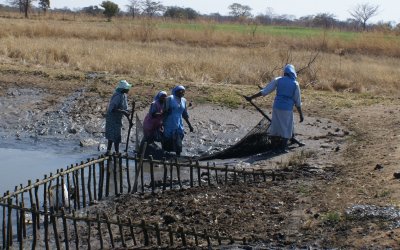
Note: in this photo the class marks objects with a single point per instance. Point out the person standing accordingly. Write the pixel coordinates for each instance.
(287, 95)
(117, 108)
(175, 111)
(152, 124)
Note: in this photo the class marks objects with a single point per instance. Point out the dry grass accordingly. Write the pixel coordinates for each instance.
(141, 49)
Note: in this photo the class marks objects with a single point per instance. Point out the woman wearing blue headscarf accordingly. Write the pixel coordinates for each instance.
(174, 110)
(117, 108)
(287, 95)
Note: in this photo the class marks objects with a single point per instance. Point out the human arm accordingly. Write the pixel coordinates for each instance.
(297, 102)
(185, 116)
(265, 91)
(249, 98)
(188, 123)
(300, 113)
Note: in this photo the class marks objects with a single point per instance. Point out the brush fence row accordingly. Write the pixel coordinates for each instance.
(46, 209)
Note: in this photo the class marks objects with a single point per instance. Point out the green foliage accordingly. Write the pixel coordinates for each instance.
(332, 217)
(182, 13)
(239, 10)
(110, 9)
(44, 4)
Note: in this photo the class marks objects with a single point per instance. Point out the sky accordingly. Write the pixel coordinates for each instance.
(388, 9)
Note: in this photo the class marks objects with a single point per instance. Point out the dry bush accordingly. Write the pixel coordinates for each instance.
(142, 50)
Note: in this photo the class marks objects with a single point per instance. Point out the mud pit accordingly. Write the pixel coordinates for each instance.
(304, 210)
(269, 214)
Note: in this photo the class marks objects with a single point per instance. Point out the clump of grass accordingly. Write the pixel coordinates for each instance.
(300, 159)
(332, 218)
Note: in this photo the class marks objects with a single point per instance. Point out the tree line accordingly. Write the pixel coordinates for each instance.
(360, 14)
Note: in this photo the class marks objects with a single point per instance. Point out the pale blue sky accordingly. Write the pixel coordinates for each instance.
(389, 9)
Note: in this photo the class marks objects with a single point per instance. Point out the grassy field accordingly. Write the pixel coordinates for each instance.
(203, 54)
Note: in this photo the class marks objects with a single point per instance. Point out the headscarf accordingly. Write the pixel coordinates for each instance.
(123, 84)
(159, 94)
(176, 89)
(290, 71)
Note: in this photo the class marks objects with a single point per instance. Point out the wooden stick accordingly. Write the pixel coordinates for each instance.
(196, 240)
(171, 236)
(83, 186)
(153, 186)
(171, 173)
(165, 174)
(57, 194)
(109, 230)
(94, 182)
(77, 192)
(183, 236)
(88, 184)
(130, 126)
(9, 224)
(258, 109)
(65, 227)
(75, 229)
(145, 233)
(158, 234)
(131, 230)
(37, 203)
(216, 173)
(198, 173)
(20, 231)
(99, 231)
(101, 180)
(226, 174)
(34, 227)
(69, 190)
(17, 211)
(121, 231)
(115, 164)
(208, 174)
(121, 186)
(62, 191)
(89, 231)
(135, 184)
(178, 173)
(4, 227)
(46, 227)
(128, 178)
(191, 173)
(108, 175)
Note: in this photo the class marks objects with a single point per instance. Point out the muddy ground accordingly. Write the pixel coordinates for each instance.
(341, 192)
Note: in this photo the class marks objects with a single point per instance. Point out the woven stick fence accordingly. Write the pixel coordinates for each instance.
(45, 210)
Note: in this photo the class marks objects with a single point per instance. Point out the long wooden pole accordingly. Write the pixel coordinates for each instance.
(130, 126)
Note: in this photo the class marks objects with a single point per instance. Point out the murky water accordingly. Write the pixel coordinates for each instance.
(21, 162)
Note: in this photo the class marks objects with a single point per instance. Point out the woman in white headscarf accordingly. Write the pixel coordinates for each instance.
(287, 95)
(175, 111)
(117, 108)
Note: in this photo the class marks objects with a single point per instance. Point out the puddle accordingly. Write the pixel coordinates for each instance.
(23, 162)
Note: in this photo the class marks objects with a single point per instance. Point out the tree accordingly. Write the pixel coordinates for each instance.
(239, 11)
(110, 9)
(152, 8)
(325, 20)
(178, 12)
(92, 10)
(23, 5)
(363, 12)
(134, 7)
(44, 5)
